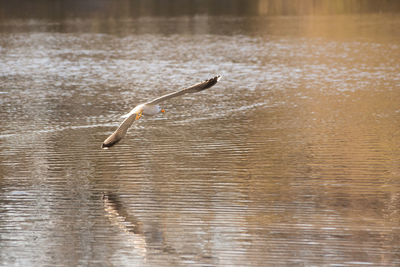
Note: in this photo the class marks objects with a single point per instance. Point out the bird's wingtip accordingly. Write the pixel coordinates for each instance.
(209, 83)
(110, 141)
(215, 78)
(105, 145)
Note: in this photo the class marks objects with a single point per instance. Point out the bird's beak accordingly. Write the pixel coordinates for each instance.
(163, 110)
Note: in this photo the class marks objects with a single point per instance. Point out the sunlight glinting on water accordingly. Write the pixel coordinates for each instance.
(291, 159)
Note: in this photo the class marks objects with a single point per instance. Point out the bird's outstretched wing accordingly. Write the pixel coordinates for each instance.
(192, 89)
(116, 136)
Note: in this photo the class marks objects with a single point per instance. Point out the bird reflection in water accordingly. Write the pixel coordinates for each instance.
(119, 217)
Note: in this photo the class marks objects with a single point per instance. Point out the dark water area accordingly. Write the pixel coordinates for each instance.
(292, 159)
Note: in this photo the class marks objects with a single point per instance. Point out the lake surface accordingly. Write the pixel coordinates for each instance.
(292, 159)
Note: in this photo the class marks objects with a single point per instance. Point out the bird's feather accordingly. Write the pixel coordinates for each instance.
(118, 134)
(192, 89)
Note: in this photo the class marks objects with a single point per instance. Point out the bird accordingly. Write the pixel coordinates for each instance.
(152, 108)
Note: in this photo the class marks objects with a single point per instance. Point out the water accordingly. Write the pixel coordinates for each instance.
(291, 159)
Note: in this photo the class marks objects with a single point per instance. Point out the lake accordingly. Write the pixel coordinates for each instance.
(292, 159)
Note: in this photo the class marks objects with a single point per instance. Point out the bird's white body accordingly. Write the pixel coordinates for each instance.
(146, 109)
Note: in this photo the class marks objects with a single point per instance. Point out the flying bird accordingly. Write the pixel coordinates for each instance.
(152, 108)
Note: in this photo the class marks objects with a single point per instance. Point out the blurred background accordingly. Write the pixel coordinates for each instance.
(292, 159)
(57, 9)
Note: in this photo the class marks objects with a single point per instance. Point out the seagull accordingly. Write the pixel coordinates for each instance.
(152, 108)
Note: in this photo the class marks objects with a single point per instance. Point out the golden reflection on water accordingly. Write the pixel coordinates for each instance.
(293, 159)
